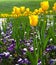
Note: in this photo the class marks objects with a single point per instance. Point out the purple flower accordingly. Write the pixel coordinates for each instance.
(27, 44)
(39, 62)
(30, 41)
(7, 54)
(48, 49)
(26, 61)
(52, 61)
(53, 47)
(31, 49)
(4, 40)
(1, 54)
(24, 51)
(10, 32)
(20, 61)
(11, 47)
(13, 41)
(7, 36)
(23, 61)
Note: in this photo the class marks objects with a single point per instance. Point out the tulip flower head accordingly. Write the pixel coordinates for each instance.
(54, 7)
(22, 9)
(41, 10)
(33, 20)
(45, 5)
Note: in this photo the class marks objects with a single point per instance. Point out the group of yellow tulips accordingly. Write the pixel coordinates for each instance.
(33, 16)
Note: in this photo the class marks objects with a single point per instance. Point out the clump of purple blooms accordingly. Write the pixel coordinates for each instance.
(8, 48)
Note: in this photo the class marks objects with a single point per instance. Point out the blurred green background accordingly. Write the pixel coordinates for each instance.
(7, 5)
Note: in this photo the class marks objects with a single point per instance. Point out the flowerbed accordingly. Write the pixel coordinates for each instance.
(28, 38)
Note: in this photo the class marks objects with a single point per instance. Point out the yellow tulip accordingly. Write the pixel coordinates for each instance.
(54, 7)
(15, 15)
(10, 15)
(16, 10)
(30, 13)
(4, 15)
(40, 10)
(22, 9)
(45, 5)
(27, 10)
(35, 11)
(33, 20)
(25, 13)
(55, 4)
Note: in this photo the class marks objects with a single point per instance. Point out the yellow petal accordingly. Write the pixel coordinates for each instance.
(33, 20)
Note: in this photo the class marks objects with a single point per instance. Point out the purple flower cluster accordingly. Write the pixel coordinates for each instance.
(23, 61)
(39, 62)
(19, 56)
(7, 39)
(8, 43)
(5, 54)
(50, 48)
(28, 45)
(9, 49)
(52, 61)
(49, 51)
